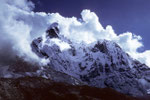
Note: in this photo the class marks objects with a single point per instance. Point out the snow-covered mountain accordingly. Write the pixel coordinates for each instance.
(99, 64)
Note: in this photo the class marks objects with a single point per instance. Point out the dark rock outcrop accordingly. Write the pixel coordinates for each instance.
(53, 31)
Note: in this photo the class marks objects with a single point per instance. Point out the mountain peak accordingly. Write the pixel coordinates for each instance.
(52, 31)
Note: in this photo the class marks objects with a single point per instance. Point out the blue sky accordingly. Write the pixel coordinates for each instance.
(122, 15)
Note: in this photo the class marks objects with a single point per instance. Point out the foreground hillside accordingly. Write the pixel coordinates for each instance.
(36, 88)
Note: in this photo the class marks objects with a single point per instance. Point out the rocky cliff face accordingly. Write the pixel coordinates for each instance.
(100, 64)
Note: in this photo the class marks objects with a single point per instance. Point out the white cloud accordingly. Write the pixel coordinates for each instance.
(19, 25)
(15, 34)
(62, 45)
(21, 4)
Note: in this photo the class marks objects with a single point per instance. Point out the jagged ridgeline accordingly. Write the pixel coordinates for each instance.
(99, 64)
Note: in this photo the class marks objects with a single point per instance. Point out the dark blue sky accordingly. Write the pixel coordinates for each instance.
(122, 15)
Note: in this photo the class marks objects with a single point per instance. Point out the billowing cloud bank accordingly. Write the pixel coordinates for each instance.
(19, 25)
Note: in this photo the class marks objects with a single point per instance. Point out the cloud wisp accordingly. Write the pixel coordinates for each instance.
(19, 25)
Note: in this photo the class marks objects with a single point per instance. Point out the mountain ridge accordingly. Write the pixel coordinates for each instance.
(100, 64)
